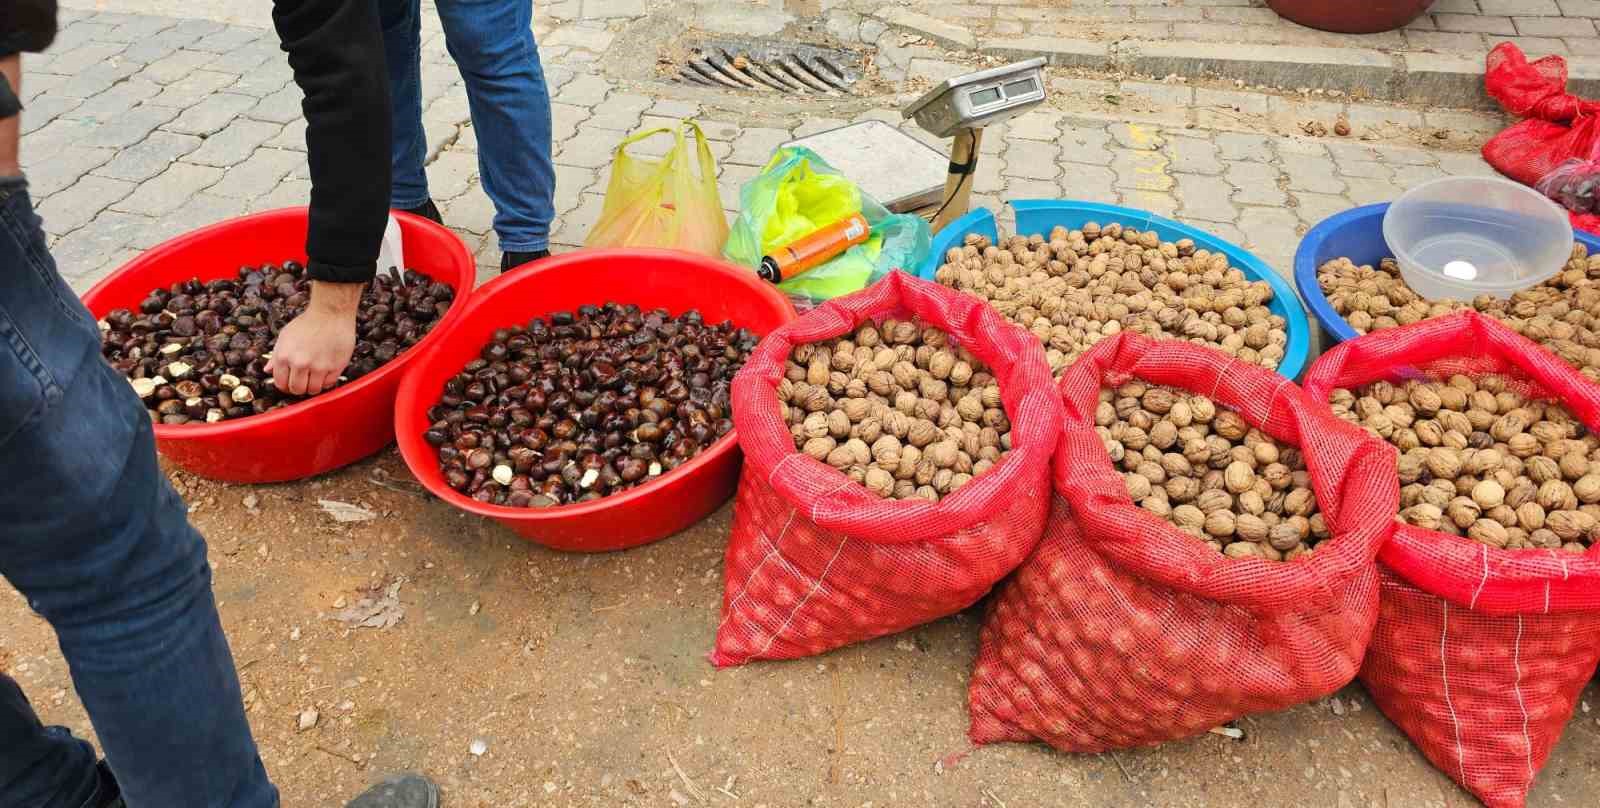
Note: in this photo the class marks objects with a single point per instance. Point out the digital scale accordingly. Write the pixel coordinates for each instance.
(961, 107)
(906, 175)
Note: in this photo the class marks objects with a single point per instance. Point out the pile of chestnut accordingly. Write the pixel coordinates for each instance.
(196, 352)
(585, 404)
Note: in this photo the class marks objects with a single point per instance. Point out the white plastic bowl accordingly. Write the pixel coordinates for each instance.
(1460, 237)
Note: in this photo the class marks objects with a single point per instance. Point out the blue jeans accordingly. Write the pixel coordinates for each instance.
(492, 43)
(100, 545)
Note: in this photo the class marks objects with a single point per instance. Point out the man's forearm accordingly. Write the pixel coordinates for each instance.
(336, 50)
(11, 128)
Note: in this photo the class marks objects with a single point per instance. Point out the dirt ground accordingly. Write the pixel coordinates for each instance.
(585, 679)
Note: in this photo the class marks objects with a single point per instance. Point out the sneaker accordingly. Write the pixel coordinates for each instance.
(426, 210)
(512, 260)
(400, 791)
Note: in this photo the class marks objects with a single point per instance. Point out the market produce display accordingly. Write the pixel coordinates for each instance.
(196, 352)
(1078, 287)
(1481, 461)
(1203, 468)
(897, 407)
(586, 404)
(1562, 314)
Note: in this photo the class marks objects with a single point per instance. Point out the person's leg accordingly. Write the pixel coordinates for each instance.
(492, 43)
(41, 766)
(402, 50)
(100, 545)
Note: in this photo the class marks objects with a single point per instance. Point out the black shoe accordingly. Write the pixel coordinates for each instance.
(512, 260)
(426, 210)
(400, 791)
(110, 792)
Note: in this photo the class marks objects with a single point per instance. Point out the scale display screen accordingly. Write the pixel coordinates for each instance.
(1019, 88)
(987, 95)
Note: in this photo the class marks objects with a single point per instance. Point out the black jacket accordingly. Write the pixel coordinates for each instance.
(336, 50)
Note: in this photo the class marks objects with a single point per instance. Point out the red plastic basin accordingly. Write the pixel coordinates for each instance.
(317, 435)
(676, 281)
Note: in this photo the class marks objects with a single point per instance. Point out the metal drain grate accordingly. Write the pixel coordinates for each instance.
(764, 66)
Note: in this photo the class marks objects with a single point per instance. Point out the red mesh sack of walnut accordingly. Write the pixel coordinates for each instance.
(1480, 654)
(816, 561)
(1122, 630)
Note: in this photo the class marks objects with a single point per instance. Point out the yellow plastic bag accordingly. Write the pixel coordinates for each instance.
(663, 202)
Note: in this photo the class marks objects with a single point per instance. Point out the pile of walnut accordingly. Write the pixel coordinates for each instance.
(897, 408)
(1201, 467)
(1479, 460)
(1078, 287)
(1562, 314)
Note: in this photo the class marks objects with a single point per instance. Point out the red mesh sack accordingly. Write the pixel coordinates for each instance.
(1479, 654)
(815, 561)
(1559, 126)
(1123, 631)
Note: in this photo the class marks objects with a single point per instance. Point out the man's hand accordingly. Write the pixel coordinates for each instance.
(314, 348)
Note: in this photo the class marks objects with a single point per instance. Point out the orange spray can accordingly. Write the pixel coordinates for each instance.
(809, 252)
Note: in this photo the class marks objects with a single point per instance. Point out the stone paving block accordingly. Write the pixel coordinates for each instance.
(1162, 95)
(1141, 170)
(1205, 198)
(1136, 136)
(572, 229)
(1554, 26)
(565, 119)
(755, 146)
(139, 28)
(620, 112)
(588, 152)
(227, 40)
(1082, 144)
(1037, 124)
(990, 177)
(69, 61)
(731, 180)
(1475, 24)
(1407, 177)
(62, 131)
(1400, 155)
(36, 83)
(169, 190)
(42, 111)
(258, 174)
(591, 38)
(291, 137)
(178, 65)
(288, 193)
(606, 9)
(1364, 191)
(117, 100)
(1194, 156)
(1312, 208)
(813, 126)
(81, 284)
(1256, 183)
(1364, 168)
(471, 211)
(280, 107)
(62, 166)
(1540, 8)
(1273, 233)
(234, 143)
(129, 128)
(155, 48)
(466, 139)
(1157, 202)
(1239, 146)
(196, 212)
(1031, 160)
(96, 79)
(87, 249)
(195, 88)
(74, 207)
(1311, 174)
(451, 175)
(198, 28)
(677, 108)
(1344, 151)
(149, 157)
(1021, 188)
(1464, 123)
(1469, 164)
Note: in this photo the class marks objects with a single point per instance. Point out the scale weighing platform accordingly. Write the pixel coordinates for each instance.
(905, 174)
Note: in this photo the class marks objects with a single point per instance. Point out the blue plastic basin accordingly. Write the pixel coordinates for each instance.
(1356, 234)
(1042, 215)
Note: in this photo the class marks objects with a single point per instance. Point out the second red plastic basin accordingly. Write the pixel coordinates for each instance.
(649, 279)
(317, 435)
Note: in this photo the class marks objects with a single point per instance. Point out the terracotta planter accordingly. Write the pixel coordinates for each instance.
(1347, 17)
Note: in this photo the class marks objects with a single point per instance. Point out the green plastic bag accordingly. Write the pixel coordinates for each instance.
(799, 193)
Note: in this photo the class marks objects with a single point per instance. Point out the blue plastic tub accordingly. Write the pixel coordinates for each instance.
(1356, 234)
(1042, 215)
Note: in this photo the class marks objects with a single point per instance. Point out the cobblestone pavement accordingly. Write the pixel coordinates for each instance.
(1471, 26)
(142, 127)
